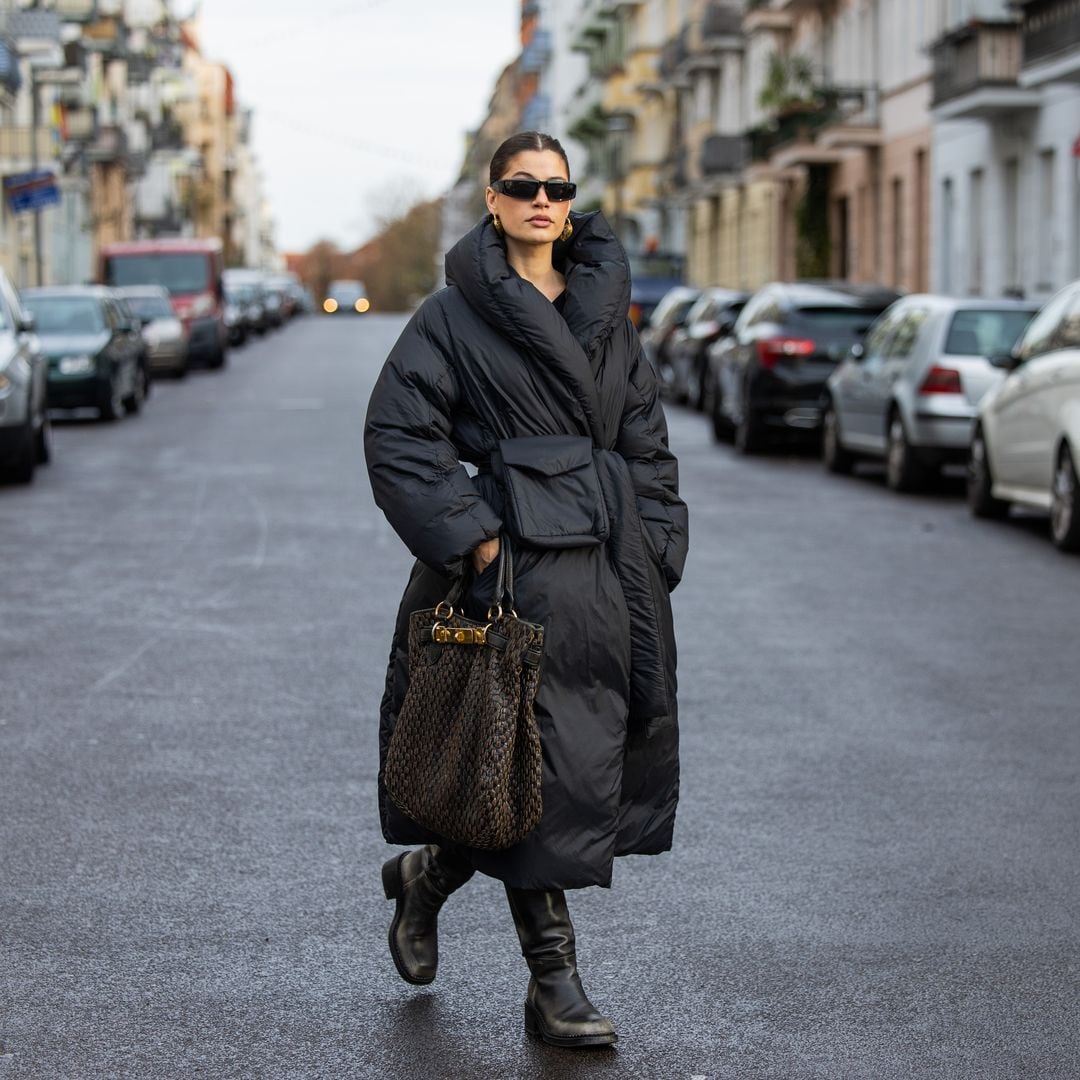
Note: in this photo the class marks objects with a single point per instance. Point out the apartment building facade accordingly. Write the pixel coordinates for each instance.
(1006, 173)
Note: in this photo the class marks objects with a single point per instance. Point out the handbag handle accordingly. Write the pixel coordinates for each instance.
(504, 585)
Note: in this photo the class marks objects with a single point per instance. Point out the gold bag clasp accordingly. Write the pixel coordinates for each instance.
(459, 635)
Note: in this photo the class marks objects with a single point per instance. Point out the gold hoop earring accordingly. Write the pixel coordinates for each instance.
(497, 223)
(568, 231)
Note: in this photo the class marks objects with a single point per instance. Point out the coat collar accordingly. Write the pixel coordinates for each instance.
(563, 346)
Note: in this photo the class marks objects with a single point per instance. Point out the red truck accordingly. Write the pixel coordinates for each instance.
(191, 272)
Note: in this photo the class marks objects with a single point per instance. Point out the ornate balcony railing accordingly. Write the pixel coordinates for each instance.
(722, 154)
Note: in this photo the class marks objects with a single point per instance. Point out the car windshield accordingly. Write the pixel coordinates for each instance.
(983, 332)
(181, 273)
(151, 307)
(66, 314)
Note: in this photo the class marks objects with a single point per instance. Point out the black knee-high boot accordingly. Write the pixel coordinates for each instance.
(420, 881)
(556, 1007)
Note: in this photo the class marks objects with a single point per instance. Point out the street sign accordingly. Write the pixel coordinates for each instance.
(31, 191)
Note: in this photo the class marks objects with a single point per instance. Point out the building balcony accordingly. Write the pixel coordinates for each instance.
(537, 53)
(17, 145)
(721, 20)
(1050, 32)
(975, 72)
(819, 130)
(536, 116)
(109, 145)
(673, 56)
(723, 155)
(75, 10)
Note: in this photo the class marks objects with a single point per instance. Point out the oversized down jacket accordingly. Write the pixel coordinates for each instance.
(490, 359)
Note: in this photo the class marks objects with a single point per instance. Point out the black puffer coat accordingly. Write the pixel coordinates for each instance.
(487, 359)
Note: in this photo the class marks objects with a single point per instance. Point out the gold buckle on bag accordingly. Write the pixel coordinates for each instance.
(459, 635)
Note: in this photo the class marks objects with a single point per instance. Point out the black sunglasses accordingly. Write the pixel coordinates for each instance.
(557, 190)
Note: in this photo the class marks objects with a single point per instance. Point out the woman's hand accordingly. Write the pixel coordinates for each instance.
(485, 554)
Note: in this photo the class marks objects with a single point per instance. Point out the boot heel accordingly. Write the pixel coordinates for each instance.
(391, 878)
(532, 1024)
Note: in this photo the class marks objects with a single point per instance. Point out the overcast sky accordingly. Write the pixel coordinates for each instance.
(358, 102)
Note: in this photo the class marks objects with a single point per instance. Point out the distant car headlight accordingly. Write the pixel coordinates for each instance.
(330, 305)
(362, 305)
(76, 365)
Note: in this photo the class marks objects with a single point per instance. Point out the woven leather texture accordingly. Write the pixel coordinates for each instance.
(464, 758)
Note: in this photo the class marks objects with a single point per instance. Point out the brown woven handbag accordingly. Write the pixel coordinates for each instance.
(464, 757)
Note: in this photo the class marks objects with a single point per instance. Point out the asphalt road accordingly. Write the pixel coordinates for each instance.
(876, 872)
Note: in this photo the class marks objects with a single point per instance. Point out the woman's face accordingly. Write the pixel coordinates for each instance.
(537, 220)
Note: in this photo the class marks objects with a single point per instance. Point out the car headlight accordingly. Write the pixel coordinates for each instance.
(202, 305)
(76, 365)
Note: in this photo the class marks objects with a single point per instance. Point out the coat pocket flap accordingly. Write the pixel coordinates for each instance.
(548, 455)
(553, 497)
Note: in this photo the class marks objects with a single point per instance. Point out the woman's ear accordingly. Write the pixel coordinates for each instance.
(489, 198)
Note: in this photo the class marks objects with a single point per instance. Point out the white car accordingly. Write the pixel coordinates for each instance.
(1026, 445)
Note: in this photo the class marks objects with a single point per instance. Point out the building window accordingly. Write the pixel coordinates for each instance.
(1011, 191)
(947, 210)
(1047, 210)
(898, 231)
(976, 214)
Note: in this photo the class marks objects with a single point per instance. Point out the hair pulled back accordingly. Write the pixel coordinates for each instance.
(519, 143)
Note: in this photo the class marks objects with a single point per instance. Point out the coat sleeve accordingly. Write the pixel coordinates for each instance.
(643, 444)
(416, 477)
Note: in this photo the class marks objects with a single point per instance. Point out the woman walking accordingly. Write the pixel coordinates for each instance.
(528, 344)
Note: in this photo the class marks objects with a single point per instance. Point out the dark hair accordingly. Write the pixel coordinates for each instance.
(519, 143)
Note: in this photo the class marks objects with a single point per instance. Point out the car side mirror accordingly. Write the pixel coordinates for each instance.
(857, 352)
(1006, 361)
(26, 323)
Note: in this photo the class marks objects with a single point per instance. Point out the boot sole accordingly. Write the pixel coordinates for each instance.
(394, 888)
(535, 1026)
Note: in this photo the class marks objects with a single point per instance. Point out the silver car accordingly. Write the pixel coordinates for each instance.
(909, 394)
(24, 422)
(163, 333)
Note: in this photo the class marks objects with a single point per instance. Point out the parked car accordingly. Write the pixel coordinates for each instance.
(909, 394)
(712, 317)
(670, 314)
(1026, 444)
(249, 292)
(191, 272)
(346, 298)
(768, 377)
(164, 336)
(653, 275)
(24, 421)
(165, 341)
(92, 348)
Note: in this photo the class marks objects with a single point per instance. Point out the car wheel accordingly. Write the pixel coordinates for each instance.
(112, 409)
(1064, 513)
(903, 471)
(43, 442)
(134, 401)
(837, 459)
(749, 432)
(218, 359)
(980, 482)
(21, 469)
(698, 393)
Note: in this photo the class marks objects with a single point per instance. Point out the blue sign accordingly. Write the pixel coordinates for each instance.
(31, 191)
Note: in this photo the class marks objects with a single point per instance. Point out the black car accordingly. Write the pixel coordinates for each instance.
(712, 317)
(93, 347)
(768, 377)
